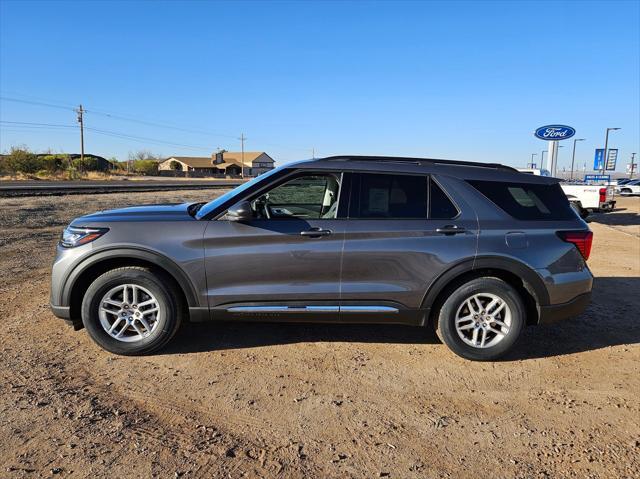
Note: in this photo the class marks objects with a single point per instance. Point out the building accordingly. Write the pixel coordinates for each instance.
(255, 162)
(183, 165)
(224, 163)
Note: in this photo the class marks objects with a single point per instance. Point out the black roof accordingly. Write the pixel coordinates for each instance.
(418, 161)
(461, 169)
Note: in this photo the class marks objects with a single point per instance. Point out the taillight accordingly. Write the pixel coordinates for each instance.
(603, 195)
(581, 239)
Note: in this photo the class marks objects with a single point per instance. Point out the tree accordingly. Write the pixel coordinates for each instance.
(143, 155)
(175, 165)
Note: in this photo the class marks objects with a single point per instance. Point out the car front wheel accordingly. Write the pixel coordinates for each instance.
(131, 311)
(482, 319)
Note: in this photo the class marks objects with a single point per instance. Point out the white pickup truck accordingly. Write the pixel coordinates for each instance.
(583, 196)
(592, 197)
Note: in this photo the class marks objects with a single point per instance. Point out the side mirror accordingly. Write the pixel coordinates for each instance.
(240, 212)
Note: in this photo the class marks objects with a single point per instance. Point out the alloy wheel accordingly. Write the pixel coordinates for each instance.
(483, 320)
(129, 312)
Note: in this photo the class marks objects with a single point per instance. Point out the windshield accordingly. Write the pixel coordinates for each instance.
(220, 200)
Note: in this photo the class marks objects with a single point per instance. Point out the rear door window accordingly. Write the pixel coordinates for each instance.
(389, 196)
(527, 201)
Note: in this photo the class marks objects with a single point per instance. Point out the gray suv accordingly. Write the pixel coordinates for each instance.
(476, 251)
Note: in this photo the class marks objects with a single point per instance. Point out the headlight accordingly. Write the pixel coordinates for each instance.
(73, 236)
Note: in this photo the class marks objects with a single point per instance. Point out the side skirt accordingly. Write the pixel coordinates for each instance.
(320, 313)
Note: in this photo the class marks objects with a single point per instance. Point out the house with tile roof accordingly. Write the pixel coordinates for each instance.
(224, 163)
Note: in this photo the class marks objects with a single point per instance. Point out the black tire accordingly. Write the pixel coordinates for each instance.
(164, 291)
(446, 318)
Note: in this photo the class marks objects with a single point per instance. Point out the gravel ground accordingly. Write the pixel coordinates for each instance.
(258, 400)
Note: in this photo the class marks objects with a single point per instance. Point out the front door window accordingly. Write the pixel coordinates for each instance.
(304, 197)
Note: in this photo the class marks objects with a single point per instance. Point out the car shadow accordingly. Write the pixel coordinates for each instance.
(610, 320)
(619, 219)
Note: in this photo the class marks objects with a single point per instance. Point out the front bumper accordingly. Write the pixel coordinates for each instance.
(62, 312)
(557, 312)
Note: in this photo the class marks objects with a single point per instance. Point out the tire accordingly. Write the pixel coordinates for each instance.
(138, 284)
(499, 339)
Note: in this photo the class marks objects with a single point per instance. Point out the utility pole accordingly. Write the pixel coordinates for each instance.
(632, 167)
(242, 138)
(573, 156)
(80, 112)
(532, 163)
(313, 153)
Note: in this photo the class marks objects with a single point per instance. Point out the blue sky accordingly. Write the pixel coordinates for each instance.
(465, 80)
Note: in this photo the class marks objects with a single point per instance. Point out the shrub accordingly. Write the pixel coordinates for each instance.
(21, 160)
(72, 173)
(146, 167)
(90, 164)
(53, 163)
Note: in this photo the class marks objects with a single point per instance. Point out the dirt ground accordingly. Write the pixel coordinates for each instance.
(264, 400)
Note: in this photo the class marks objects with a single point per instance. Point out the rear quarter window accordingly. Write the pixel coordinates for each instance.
(527, 201)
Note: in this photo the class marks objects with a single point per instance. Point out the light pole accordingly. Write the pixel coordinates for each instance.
(606, 145)
(542, 159)
(573, 156)
(532, 155)
(554, 165)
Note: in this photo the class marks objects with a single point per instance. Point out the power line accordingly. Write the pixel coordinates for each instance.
(120, 117)
(30, 126)
(117, 116)
(159, 125)
(28, 123)
(30, 102)
(142, 138)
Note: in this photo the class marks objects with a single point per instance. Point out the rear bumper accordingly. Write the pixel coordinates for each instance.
(557, 312)
(607, 205)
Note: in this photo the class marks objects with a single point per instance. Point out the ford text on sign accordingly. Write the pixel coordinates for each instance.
(554, 132)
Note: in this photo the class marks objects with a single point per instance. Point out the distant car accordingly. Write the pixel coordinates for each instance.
(477, 251)
(623, 181)
(631, 187)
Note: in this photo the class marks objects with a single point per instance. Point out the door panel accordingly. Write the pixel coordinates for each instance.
(395, 260)
(287, 257)
(270, 261)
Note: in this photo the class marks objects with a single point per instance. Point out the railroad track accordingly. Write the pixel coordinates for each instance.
(53, 188)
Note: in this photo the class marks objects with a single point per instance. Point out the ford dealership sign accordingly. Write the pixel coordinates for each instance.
(554, 132)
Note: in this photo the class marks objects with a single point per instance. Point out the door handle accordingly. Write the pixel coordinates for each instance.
(315, 233)
(450, 230)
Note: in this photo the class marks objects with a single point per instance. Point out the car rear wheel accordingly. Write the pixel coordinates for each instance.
(131, 311)
(482, 319)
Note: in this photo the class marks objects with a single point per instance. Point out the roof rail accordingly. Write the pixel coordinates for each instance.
(418, 161)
